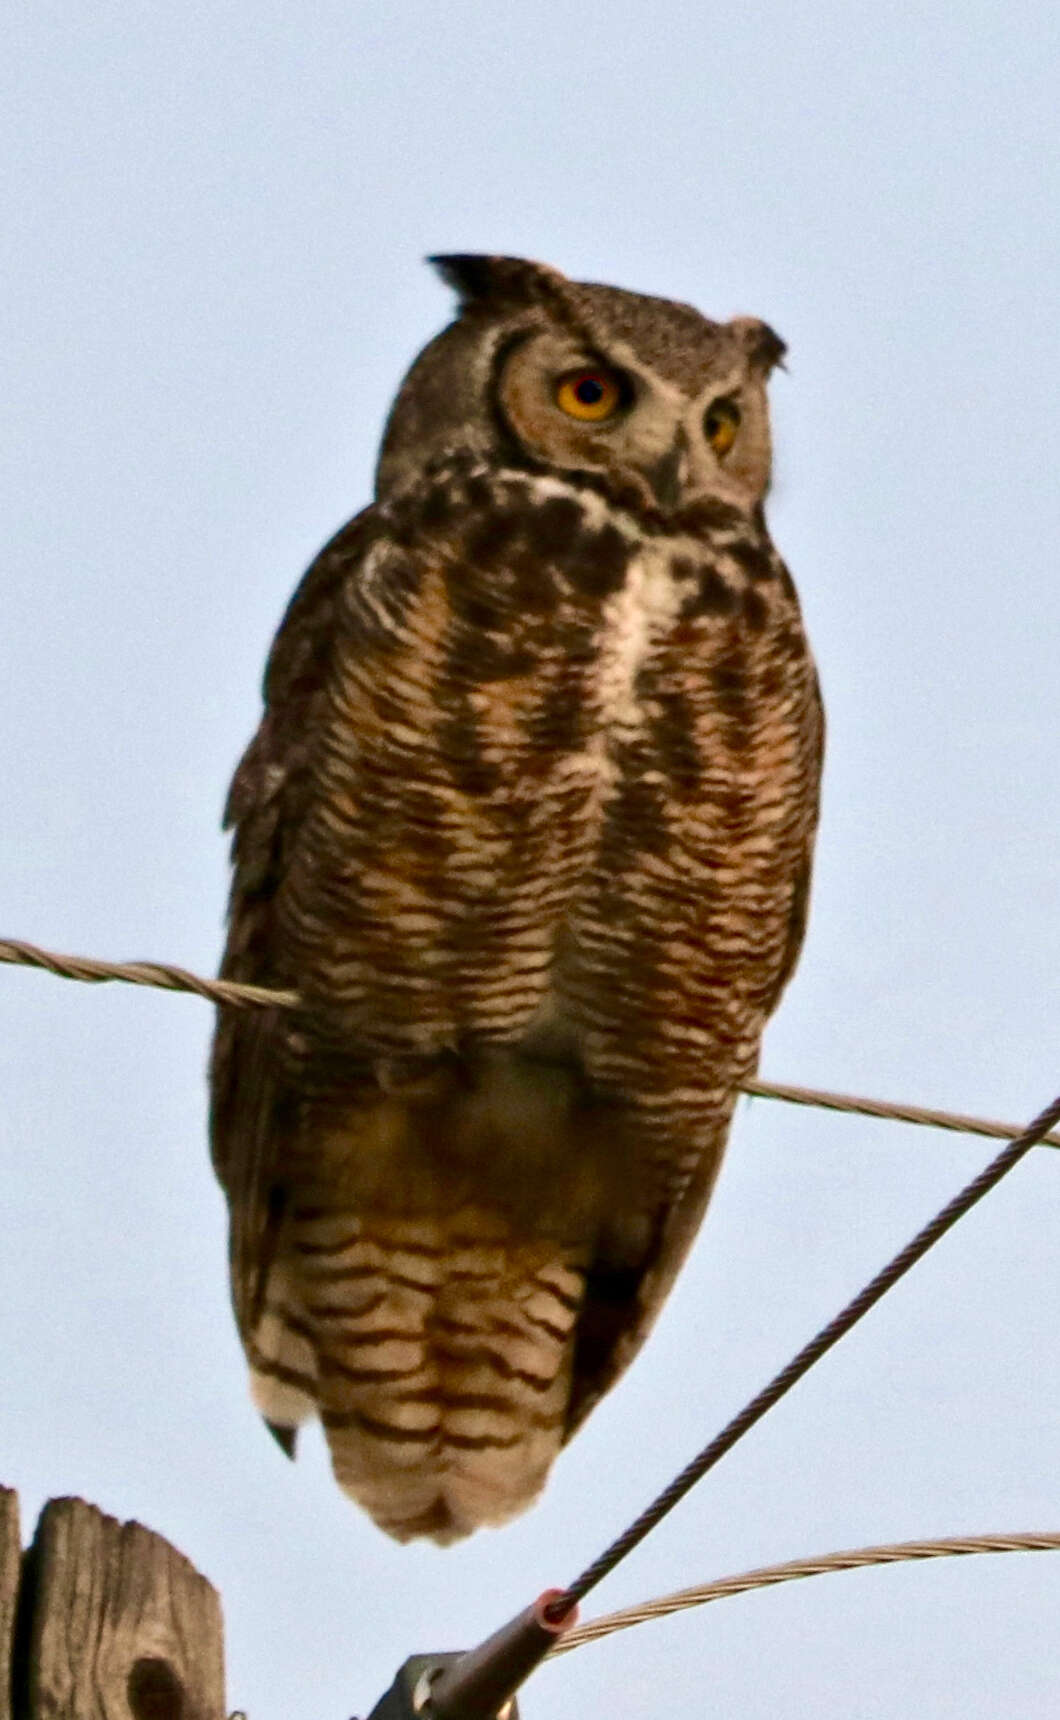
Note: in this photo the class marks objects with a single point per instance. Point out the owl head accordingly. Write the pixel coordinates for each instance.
(648, 400)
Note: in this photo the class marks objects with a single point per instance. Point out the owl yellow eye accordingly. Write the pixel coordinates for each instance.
(590, 395)
(721, 423)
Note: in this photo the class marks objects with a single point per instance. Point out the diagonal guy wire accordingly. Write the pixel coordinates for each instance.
(804, 1361)
(231, 993)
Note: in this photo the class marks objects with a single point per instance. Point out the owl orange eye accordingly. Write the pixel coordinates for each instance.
(590, 395)
(721, 422)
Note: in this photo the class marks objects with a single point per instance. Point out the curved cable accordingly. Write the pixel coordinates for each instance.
(792, 1570)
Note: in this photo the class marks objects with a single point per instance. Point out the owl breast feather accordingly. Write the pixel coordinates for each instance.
(563, 778)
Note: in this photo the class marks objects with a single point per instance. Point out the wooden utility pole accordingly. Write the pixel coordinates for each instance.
(101, 1620)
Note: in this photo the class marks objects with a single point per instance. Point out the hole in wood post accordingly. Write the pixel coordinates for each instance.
(155, 1692)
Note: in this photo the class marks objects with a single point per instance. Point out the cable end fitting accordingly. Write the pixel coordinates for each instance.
(483, 1681)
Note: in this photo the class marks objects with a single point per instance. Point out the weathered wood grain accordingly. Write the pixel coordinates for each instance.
(122, 1626)
(10, 1573)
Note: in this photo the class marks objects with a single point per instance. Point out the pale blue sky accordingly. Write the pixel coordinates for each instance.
(215, 217)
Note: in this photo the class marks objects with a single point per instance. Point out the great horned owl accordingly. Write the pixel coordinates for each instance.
(527, 825)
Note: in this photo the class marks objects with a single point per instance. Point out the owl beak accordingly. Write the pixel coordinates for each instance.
(669, 475)
(674, 479)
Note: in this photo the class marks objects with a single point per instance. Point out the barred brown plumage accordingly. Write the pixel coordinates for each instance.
(527, 827)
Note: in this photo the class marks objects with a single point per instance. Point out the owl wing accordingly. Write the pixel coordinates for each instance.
(802, 872)
(252, 1105)
(621, 1307)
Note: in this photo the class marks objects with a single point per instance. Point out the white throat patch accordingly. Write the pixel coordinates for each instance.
(647, 605)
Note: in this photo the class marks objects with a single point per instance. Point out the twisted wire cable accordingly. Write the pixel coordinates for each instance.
(161, 974)
(800, 1364)
(920, 1115)
(232, 994)
(792, 1570)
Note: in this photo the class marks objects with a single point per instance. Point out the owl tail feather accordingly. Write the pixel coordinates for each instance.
(283, 1365)
(440, 1359)
(285, 1437)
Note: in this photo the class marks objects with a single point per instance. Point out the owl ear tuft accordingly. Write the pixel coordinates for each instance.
(763, 346)
(486, 280)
